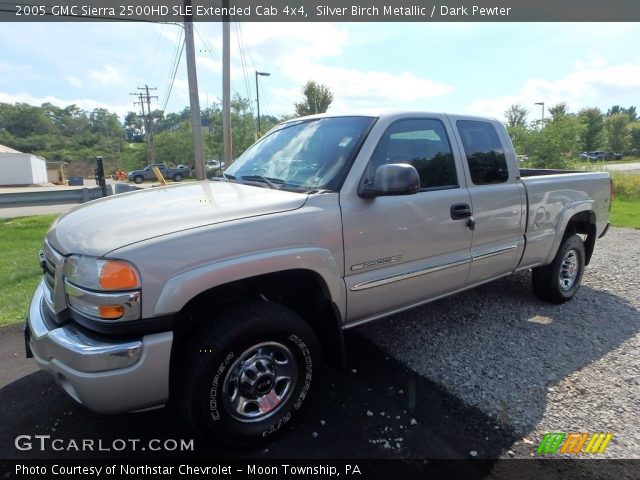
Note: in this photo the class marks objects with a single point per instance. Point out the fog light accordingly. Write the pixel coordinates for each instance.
(110, 312)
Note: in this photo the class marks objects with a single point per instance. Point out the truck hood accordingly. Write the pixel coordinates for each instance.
(103, 225)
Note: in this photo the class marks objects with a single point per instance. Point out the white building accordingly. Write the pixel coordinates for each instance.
(17, 168)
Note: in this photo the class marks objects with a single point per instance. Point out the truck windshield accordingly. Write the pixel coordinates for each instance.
(303, 155)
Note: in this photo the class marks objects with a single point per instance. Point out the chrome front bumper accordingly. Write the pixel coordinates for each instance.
(105, 375)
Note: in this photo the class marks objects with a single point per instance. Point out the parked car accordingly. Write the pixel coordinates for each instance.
(175, 174)
(326, 223)
(598, 155)
(213, 164)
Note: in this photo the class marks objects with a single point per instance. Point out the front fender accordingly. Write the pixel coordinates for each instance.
(183, 287)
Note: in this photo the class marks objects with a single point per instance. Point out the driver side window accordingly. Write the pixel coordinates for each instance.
(422, 143)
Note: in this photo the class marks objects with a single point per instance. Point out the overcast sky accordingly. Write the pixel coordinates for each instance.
(478, 68)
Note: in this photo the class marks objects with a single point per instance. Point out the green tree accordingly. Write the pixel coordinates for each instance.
(176, 146)
(558, 111)
(516, 116)
(317, 99)
(617, 133)
(22, 120)
(630, 112)
(555, 145)
(133, 128)
(243, 122)
(593, 122)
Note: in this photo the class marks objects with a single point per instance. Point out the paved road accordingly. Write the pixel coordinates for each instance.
(620, 167)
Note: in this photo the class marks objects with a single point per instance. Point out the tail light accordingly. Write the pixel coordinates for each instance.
(613, 192)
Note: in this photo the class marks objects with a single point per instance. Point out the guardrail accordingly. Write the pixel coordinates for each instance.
(53, 197)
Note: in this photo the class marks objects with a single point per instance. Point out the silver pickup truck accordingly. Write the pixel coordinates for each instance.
(224, 295)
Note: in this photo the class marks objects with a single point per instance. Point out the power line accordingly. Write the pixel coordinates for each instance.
(175, 62)
(244, 66)
(208, 48)
(173, 77)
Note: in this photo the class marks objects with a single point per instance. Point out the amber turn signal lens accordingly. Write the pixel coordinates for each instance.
(118, 275)
(110, 312)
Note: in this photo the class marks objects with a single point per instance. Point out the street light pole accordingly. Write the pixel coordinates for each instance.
(542, 105)
(263, 74)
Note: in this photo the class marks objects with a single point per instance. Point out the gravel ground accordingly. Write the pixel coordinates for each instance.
(532, 366)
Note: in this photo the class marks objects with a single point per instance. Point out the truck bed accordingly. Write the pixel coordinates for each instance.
(554, 194)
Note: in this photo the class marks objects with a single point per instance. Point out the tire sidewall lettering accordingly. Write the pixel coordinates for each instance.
(217, 384)
(308, 375)
(308, 369)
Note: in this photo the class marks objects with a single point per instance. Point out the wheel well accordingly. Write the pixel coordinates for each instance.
(303, 291)
(583, 223)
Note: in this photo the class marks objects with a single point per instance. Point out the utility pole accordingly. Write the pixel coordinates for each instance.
(226, 86)
(194, 101)
(148, 121)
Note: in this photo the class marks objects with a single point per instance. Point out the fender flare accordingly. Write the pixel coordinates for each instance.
(184, 286)
(565, 216)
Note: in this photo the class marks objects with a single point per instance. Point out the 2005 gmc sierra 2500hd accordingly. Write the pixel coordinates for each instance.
(224, 293)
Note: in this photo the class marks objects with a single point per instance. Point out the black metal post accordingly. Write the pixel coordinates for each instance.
(99, 173)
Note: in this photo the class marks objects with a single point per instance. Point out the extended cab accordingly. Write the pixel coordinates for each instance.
(175, 174)
(224, 293)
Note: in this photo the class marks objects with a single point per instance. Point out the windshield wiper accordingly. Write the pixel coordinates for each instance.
(269, 182)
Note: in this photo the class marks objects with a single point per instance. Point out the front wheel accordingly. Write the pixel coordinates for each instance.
(138, 179)
(248, 373)
(559, 281)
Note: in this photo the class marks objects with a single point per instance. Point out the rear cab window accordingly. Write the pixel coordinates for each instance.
(484, 151)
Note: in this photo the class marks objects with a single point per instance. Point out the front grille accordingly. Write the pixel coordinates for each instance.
(50, 262)
(49, 271)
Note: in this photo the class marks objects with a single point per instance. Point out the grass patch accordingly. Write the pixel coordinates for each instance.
(20, 241)
(627, 185)
(625, 213)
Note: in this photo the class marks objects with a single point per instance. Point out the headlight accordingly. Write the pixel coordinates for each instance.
(96, 274)
(102, 289)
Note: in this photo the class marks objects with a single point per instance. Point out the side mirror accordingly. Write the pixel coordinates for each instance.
(392, 179)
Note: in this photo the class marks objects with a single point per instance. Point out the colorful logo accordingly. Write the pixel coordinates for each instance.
(562, 442)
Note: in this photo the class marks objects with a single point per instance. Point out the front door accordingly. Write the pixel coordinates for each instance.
(404, 250)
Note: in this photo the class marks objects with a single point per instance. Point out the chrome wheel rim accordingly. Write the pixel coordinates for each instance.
(259, 382)
(569, 270)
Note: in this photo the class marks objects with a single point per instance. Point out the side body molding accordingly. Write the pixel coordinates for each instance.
(186, 285)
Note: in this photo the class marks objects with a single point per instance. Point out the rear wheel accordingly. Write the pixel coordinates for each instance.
(248, 373)
(177, 177)
(559, 281)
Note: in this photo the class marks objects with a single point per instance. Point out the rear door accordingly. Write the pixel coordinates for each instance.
(498, 199)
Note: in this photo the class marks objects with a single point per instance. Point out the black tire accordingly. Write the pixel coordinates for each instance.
(138, 179)
(177, 177)
(559, 281)
(219, 362)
